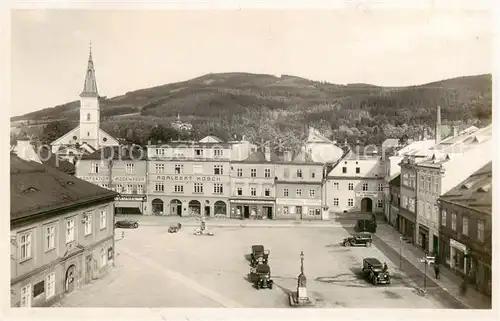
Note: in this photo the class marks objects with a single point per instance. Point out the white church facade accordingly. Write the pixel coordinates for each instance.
(88, 136)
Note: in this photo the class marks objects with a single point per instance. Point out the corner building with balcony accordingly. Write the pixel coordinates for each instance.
(299, 188)
(253, 186)
(189, 178)
(61, 233)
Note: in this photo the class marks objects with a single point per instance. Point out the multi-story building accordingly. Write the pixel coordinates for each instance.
(447, 163)
(356, 184)
(119, 168)
(299, 193)
(61, 233)
(466, 229)
(394, 200)
(189, 178)
(253, 186)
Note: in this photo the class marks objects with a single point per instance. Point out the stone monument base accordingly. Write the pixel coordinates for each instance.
(295, 302)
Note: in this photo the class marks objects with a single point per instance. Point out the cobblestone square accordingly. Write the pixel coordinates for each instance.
(156, 269)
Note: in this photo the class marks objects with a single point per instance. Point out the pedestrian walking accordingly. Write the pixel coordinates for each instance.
(385, 267)
(436, 270)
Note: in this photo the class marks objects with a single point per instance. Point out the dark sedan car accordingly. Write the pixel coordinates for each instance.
(126, 224)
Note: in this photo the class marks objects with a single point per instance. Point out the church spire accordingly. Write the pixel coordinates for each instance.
(90, 86)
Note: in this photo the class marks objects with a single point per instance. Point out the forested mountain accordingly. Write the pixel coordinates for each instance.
(263, 106)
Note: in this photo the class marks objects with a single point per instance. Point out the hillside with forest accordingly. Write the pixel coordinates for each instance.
(267, 107)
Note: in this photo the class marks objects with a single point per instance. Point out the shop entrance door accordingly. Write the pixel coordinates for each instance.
(246, 211)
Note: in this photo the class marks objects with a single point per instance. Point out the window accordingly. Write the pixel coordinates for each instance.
(453, 221)
(104, 258)
(39, 288)
(436, 184)
(312, 193)
(88, 223)
(159, 168)
(197, 169)
(198, 188)
(311, 211)
(140, 189)
(405, 201)
(88, 117)
(218, 152)
(298, 192)
(313, 173)
(159, 187)
(25, 246)
(350, 186)
(335, 202)
(119, 188)
(178, 188)
(299, 173)
(422, 183)
(412, 180)
(253, 172)
(267, 172)
(443, 217)
(344, 170)
(50, 237)
(435, 214)
(380, 203)
(88, 133)
(70, 230)
(159, 151)
(130, 168)
(129, 189)
(465, 226)
(286, 172)
(218, 189)
(218, 170)
(50, 282)
(198, 152)
(102, 219)
(267, 191)
(239, 172)
(380, 187)
(358, 170)
(239, 191)
(285, 192)
(336, 185)
(350, 202)
(94, 168)
(285, 210)
(253, 191)
(480, 230)
(178, 169)
(428, 211)
(411, 204)
(26, 296)
(365, 186)
(428, 184)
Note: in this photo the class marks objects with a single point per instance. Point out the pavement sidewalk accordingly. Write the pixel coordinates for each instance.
(448, 281)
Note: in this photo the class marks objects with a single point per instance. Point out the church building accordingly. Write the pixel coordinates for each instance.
(88, 136)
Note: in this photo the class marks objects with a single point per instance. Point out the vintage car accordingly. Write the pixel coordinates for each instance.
(366, 226)
(126, 224)
(174, 228)
(375, 271)
(260, 276)
(364, 239)
(259, 255)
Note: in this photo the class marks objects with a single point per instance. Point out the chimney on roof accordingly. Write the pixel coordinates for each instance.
(267, 153)
(438, 125)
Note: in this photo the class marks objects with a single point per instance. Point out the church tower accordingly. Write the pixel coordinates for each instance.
(89, 108)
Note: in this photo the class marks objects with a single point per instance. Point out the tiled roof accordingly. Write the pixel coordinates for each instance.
(51, 159)
(37, 188)
(118, 153)
(260, 157)
(474, 192)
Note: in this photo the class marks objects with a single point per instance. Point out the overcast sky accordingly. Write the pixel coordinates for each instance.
(138, 49)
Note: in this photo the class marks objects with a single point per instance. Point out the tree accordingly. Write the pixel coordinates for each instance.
(54, 130)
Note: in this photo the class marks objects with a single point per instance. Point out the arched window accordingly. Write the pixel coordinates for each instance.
(88, 117)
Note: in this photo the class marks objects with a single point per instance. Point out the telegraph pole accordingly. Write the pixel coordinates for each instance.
(400, 253)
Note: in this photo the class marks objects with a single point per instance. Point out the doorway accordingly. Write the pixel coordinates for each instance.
(366, 205)
(435, 244)
(269, 212)
(176, 207)
(69, 280)
(207, 210)
(298, 212)
(88, 268)
(246, 211)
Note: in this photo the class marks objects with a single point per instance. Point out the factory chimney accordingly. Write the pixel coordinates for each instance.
(438, 125)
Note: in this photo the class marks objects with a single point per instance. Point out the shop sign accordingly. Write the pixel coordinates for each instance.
(367, 194)
(130, 198)
(298, 202)
(188, 178)
(129, 179)
(458, 245)
(252, 202)
(94, 178)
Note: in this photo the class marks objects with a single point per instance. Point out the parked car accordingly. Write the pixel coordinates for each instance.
(430, 258)
(174, 228)
(259, 255)
(375, 271)
(366, 226)
(260, 276)
(126, 224)
(364, 239)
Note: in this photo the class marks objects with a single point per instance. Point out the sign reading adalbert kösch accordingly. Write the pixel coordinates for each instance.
(188, 178)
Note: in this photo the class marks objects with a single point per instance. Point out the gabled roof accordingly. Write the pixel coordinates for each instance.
(36, 189)
(51, 159)
(118, 153)
(210, 139)
(475, 192)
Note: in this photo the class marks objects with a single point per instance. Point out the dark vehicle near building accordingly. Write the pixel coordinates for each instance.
(366, 226)
(259, 255)
(260, 276)
(174, 228)
(375, 271)
(364, 239)
(126, 224)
